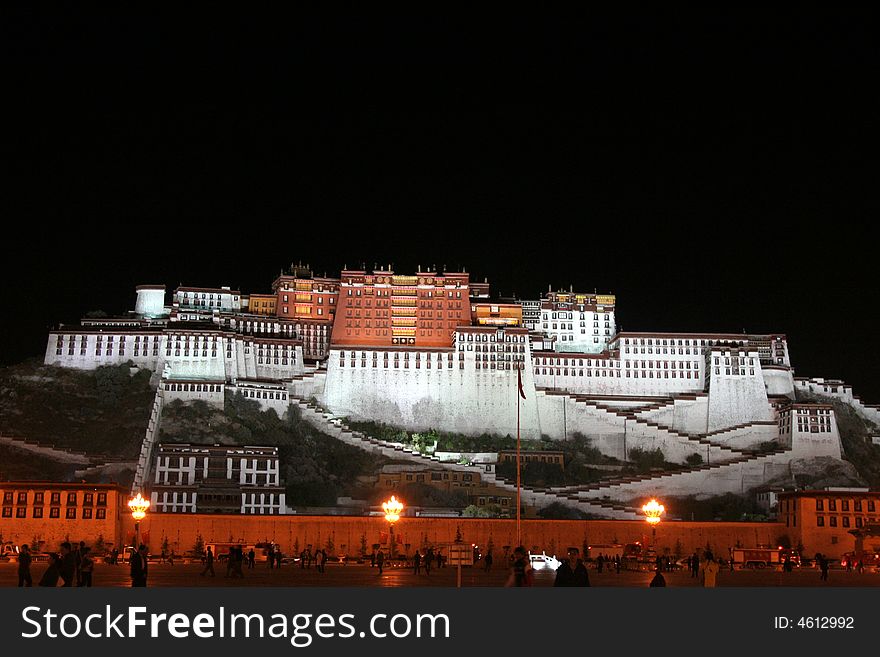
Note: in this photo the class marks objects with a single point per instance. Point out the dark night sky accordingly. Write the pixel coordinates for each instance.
(716, 172)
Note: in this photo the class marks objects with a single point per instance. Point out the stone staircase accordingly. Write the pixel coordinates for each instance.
(623, 488)
(142, 470)
(698, 442)
(47, 450)
(605, 498)
(323, 420)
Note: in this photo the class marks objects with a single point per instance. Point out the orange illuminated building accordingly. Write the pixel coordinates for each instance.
(302, 295)
(44, 514)
(496, 314)
(262, 304)
(381, 308)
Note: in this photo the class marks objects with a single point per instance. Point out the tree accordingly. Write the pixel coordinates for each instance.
(488, 511)
(199, 547)
(694, 459)
(363, 548)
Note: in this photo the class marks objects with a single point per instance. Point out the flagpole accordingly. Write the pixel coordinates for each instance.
(518, 503)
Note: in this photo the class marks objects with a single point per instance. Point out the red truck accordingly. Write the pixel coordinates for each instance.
(757, 557)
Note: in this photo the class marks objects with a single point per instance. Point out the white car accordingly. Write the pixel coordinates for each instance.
(543, 561)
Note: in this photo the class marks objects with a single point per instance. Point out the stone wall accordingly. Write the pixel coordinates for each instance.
(346, 532)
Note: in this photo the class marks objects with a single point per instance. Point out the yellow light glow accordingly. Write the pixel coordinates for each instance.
(653, 510)
(392, 508)
(138, 506)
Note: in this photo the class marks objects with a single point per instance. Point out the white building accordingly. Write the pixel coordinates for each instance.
(217, 479)
(578, 322)
(531, 314)
(210, 298)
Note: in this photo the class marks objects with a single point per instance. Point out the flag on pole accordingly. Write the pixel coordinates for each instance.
(519, 383)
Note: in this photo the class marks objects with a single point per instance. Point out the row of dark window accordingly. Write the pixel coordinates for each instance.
(55, 512)
(54, 498)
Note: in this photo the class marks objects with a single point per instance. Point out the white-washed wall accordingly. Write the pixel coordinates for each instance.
(456, 399)
(778, 381)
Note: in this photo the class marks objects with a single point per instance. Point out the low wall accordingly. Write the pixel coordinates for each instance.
(347, 532)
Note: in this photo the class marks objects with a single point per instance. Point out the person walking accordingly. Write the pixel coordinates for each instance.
(24, 566)
(520, 572)
(380, 560)
(209, 563)
(487, 562)
(138, 567)
(86, 567)
(439, 559)
(823, 567)
(429, 559)
(695, 565)
(53, 571)
(617, 563)
(600, 562)
(239, 562)
(114, 556)
(68, 564)
(252, 557)
(417, 561)
(710, 571)
(77, 553)
(572, 571)
(278, 556)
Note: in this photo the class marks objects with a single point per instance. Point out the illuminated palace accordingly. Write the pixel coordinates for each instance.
(434, 349)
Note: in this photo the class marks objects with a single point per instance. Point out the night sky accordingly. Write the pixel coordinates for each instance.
(716, 172)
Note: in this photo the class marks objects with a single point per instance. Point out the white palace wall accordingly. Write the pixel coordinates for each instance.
(778, 380)
(188, 354)
(560, 417)
(736, 389)
(459, 398)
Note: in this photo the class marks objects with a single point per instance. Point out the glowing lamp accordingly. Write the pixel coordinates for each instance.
(138, 506)
(653, 510)
(392, 508)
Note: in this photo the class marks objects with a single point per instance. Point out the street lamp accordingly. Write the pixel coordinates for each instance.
(653, 510)
(392, 508)
(138, 506)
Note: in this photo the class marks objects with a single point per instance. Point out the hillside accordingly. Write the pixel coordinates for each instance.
(316, 468)
(104, 411)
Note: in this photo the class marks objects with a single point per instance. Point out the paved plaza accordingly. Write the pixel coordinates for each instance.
(188, 574)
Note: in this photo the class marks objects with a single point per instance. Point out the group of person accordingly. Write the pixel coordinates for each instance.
(73, 565)
(319, 557)
(425, 560)
(611, 562)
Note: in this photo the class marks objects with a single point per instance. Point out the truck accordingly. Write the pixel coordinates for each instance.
(756, 557)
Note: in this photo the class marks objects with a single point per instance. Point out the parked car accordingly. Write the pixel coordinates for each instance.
(543, 561)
